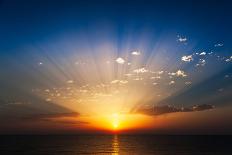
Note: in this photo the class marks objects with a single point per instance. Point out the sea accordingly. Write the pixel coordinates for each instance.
(115, 145)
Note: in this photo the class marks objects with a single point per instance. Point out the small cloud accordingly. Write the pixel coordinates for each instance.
(229, 59)
(40, 63)
(202, 53)
(201, 62)
(70, 81)
(138, 79)
(114, 81)
(120, 60)
(140, 70)
(83, 90)
(155, 77)
(178, 73)
(181, 39)
(136, 53)
(154, 83)
(128, 63)
(123, 81)
(171, 82)
(218, 45)
(187, 58)
(48, 99)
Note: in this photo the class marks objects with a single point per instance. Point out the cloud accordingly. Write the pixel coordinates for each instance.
(155, 77)
(138, 79)
(187, 58)
(40, 63)
(182, 39)
(160, 110)
(218, 45)
(154, 83)
(229, 59)
(114, 81)
(140, 70)
(123, 81)
(136, 53)
(70, 81)
(202, 53)
(171, 82)
(120, 60)
(178, 73)
(201, 62)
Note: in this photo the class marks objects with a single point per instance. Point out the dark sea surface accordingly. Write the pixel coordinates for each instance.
(115, 144)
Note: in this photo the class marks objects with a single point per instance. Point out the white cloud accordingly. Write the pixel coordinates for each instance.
(229, 59)
(187, 58)
(202, 53)
(138, 79)
(114, 81)
(160, 72)
(178, 73)
(171, 82)
(120, 60)
(201, 62)
(70, 81)
(218, 45)
(135, 53)
(40, 63)
(155, 77)
(182, 39)
(154, 83)
(123, 81)
(140, 70)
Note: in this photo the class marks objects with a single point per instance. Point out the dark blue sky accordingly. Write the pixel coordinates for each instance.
(24, 22)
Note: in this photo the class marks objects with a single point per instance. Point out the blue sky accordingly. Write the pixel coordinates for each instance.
(174, 52)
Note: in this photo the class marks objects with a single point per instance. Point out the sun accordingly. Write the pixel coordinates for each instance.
(115, 121)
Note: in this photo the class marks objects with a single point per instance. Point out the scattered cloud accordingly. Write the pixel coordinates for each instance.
(218, 45)
(181, 39)
(229, 59)
(171, 82)
(155, 77)
(123, 81)
(136, 53)
(201, 62)
(154, 83)
(178, 73)
(114, 81)
(202, 53)
(160, 110)
(187, 58)
(70, 81)
(120, 60)
(138, 79)
(140, 70)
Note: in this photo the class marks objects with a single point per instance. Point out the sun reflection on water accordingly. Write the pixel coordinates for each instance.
(115, 145)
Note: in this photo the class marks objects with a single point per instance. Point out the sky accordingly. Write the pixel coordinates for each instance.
(162, 67)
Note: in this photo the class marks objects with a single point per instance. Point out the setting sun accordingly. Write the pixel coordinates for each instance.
(115, 121)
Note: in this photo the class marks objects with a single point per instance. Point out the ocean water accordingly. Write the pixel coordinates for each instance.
(115, 144)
